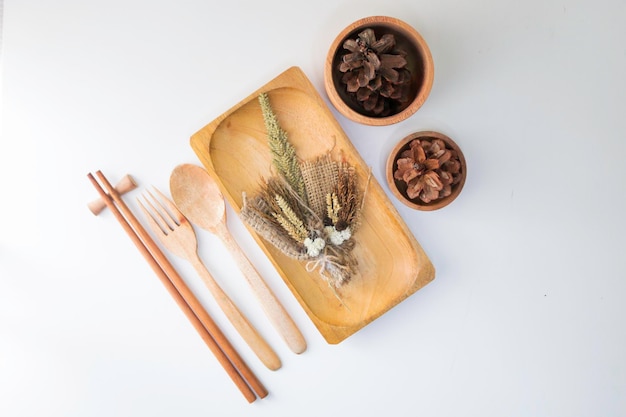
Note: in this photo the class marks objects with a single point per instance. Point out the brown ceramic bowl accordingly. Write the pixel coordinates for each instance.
(399, 187)
(419, 64)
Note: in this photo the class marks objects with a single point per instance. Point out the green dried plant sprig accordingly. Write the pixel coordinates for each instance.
(283, 153)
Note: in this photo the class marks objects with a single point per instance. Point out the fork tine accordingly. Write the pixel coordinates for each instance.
(170, 206)
(154, 224)
(161, 215)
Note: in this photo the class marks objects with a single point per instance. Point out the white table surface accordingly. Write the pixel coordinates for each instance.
(526, 314)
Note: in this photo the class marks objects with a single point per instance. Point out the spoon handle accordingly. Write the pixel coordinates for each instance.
(275, 311)
(252, 337)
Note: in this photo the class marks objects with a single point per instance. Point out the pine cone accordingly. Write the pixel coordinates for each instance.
(375, 73)
(429, 169)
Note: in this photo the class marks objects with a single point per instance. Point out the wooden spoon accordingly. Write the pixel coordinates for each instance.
(199, 198)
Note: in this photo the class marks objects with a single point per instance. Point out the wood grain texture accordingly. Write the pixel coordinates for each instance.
(392, 264)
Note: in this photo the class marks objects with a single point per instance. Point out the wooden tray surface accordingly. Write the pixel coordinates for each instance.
(392, 264)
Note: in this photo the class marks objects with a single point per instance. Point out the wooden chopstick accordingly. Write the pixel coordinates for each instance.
(228, 357)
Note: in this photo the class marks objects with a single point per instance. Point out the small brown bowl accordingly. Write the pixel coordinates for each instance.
(399, 187)
(419, 63)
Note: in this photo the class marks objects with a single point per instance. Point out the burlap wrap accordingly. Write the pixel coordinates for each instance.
(320, 179)
(335, 264)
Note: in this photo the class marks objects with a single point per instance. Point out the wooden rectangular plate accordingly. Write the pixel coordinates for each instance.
(391, 263)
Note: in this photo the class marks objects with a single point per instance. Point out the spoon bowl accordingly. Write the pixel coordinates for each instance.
(198, 196)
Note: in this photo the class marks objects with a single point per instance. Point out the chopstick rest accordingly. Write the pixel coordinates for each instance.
(125, 185)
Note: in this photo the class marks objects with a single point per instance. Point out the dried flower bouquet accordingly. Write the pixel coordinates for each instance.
(308, 210)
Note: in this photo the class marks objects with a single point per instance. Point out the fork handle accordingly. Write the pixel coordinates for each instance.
(252, 337)
(274, 310)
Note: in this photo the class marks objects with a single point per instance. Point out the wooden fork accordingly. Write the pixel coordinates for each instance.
(178, 236)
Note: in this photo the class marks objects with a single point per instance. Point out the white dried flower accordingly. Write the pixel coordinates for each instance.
(314, 247)
(338, 237)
